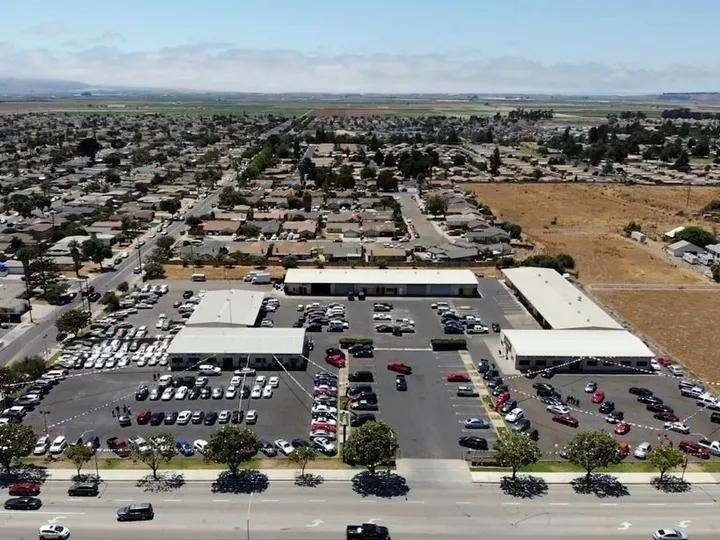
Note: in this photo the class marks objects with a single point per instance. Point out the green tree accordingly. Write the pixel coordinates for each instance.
(715, 270)
(169, 205)
(290, 261)
(695, 235)
(665, 457)
(193, 221)
(111, 301)
(8, 376)
(165, 246)
(88, 147)
(436, 205)
(154, 270)
(96, 250)
(123, 287)
(386, 181)
(18, 440)
(565, 261)
(307, 201)
(30, 367)
(593, 449)
(301, 456)
(513, 229)
(367, 173)
(682, 162)
(74, 247)
(232, 446)
(371, 445)
(516, 451)
(157, 450)
(72, 321)
(79, 454)
(632, 227)
(495, 162)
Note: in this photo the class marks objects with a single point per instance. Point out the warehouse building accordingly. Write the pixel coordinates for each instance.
(598, 350)
(555, 302)
(377, 282)
(229, 308)
(236, 347)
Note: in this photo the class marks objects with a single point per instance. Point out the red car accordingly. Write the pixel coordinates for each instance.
(667, 417)
(458, 377)
(143, 417)
(598, 396)
(663, 361)
(566, 419)
(399, 367)
(324, 392)
(692, 448)
(321, 425)
(119, 446)
(622, 428)
(335, 360)
(25, 489)
(501, 399)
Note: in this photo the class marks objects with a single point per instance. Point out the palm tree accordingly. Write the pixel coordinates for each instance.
(74, 247)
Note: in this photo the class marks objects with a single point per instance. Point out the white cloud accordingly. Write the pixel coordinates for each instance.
(220, 66)
(109, 37)
(49, 29)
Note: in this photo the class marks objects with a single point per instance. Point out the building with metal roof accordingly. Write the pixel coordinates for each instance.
(227, 308)
(555, 302)
(379, 282)
(598, 350)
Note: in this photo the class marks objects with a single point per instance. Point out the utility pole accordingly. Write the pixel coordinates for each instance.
(97, 468)
(45, 345)
(248, 516)
(45, 415)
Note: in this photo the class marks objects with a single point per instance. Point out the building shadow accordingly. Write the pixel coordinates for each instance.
(600, 485)
(381, 484)
(524, 487)
(244, 482)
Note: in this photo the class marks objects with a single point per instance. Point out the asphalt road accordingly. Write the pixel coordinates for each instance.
(284, 511)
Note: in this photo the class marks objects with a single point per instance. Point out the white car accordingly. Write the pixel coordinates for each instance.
(300, 307)
(42, 445)
(643, 450)
(231, 392)
(260, 380)
(557, 409)
(58, 445)
(382, 317)
(181, 392)
(251, 417)
(267, 324)
(322, 434)
(274, 382)
(168, 394)
(283, 446)
(669, 534)
(678, 427)
(224, 417)
(267, 392)
(655, 365)
(323, 409)
(321, 419)
(324, 445)
(184, 418)
(246, 371)
(200, 446)
(256, 392)
(515, 415)
(236, 380)
(478, 329)
(53, 532)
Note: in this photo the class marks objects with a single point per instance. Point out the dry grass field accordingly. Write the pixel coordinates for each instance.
(594, 207)
(176, 271)
(611, 258)
(681, 321)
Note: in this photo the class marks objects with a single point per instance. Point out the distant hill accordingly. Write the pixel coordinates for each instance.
(706, 97)
(12, 87)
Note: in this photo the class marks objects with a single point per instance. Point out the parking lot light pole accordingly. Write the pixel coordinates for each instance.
(45, 345)
(45, 415)
(97, 468)
(248, 516)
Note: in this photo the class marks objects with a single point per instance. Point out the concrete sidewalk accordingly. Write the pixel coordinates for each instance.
(624, 478)
(198, 475)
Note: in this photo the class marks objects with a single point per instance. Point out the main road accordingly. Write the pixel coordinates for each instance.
(285, 511)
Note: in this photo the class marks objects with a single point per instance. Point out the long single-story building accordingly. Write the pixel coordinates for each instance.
(378, 282)
(236, 347)
(227, 309)
(555, 302)
(598, 350)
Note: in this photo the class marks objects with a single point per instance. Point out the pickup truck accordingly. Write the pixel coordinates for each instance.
(367, 531)
(711, 446)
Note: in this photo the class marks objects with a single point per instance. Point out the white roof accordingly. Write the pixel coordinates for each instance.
(558, 301)
(577, 343)
(375, 276)
(671, 233)
(228, 307)
(210, 341)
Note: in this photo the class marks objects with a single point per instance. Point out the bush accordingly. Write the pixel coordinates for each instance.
(448, 344)
(346, 342)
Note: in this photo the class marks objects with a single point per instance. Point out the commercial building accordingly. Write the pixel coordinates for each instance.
(555, 302)
(228, 308)
(236, 347)
(377, 282)
(598, 350)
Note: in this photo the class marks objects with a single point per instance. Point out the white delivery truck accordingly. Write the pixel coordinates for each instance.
(261, 278)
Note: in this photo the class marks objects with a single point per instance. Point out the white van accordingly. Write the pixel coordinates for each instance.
(706, 400)
(59, 374)
(208, 369)
(199, 277)
(676, 370)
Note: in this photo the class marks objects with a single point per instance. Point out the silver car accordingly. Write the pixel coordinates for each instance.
(643, 450)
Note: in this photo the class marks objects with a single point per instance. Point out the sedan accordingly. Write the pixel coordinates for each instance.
(557, 409)
(598, 396)
(23, 503)
(474, 443)
(205, 393)
(476, 423)
(200, 445)
(467, 391)
(660, 408)
(666, 417)
(324, 446)
(217, 392)
(274, 382)
(678, 427)
(231, 392)
(256, 392)
(638, 391)
(590, 387)
(458, 377)
(24, 489)
(650, 400)
(566, 419)
(284, 447)
(267, 392)
(543, 386)
(622, 428)
(53, 532)
(669, 534)
(614, 417)
(515, 415)
(224, 417)
(185, 449)
(184, 418)
(606, 407)
(267, 448)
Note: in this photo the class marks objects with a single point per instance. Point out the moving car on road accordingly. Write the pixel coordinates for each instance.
(23, 503)
(53, 532)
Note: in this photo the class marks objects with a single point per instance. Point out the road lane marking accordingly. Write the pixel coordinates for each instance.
(36, 512)
(608, 504)
(124, 500)
(704, 504)
(317, 500)
(367, 501)
(415, 502)
(656, 504)
(560, 504)
(463, 502)
(511, 504)
(172, 500)
(270, 500)
(221, 500)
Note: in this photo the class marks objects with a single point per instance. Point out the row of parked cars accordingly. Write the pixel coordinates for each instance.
(455, 323)
(316, 315)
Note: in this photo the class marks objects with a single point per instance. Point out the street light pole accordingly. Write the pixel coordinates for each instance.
(97, 468)
(45, 415)
(248, 516)
(45, 345)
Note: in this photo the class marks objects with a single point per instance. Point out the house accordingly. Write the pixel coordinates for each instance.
(342, 217)
(376, 253)
(680, 248)
(490, 235)
(376, 228)
(714, 251)
(258, 249)
(266, 228)
(272, 215)
(304, 229)
(215, 227)
(41, 230)
(469, 221)
(373, 215)
(449, 252)
(350, 230)
(301, 250)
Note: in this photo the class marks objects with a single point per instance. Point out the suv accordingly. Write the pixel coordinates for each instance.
(136, 512)
(360, 419)
(361, 376)
(87, 489)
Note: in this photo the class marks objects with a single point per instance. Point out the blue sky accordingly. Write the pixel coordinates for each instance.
(392, 45)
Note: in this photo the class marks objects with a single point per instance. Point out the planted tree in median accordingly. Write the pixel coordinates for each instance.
(18, 440)
(157, 450)
(72, 321)
(593, 449)
(664, 458)
(79, 454)
(515, 450)
(301, 456)
(232, 446)
(372, 445)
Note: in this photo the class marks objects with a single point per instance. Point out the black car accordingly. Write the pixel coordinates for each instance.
(142, 393)
(187, 294)
(607, 407)
(484, 365)
(521, 425)
(369, 396)
(205, 393)
(363, 353)
(650, 400)
(157, 418)
(615, 416)
(297, 443)
(314, 327)
(210, 418)
(357, 389)
(452, 329)
(384, 328)
(93, 297)
(357, 346)
(530, 374)
(83, 489)
(198, 417)
(491, 374)
(23, 503)
(543, 386)
(474, 443)
(552, 399)
(170, 418)
(508, 406)
(362, 418)
(547, 374)
(236, 417)
(495, 327)
(499, 389)
(400, 383)
(193, 393)
(659, 407)
(361, 376)
(267, 448)
(638, 391)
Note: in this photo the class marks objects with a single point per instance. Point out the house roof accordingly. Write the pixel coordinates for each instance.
(251, 341)
(682, 244)
(229, 307)
(577, 344)
(380, 277)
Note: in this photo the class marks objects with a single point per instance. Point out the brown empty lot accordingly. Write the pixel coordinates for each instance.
(594, 207)
(611, 258)
(682, 322)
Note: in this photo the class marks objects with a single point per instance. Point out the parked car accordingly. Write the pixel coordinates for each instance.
(566, 420)
(474, 443)
(476, 423)
(643, 450)
(622, 427)
(399, 367)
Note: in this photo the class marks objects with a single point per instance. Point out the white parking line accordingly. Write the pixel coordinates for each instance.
(704, 504)
(560, 504)
(270, 500)
(511, 504)
(172, 500)
(124, 500)
(463, 502)
(415, 502)
(42, 513)
(221, 500)
(317, 500)
(657, 504)
(367, 501)
(401, 349)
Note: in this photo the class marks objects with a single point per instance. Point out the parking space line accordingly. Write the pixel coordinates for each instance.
(560, 504)
(124, 500)
(367, 501)
(657, 504)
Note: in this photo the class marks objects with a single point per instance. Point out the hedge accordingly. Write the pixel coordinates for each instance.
(346, 342)
(448, 344)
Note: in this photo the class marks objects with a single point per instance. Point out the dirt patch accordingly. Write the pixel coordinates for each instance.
(611, 258)
(176, 271)
(677, 320)
(595, 207)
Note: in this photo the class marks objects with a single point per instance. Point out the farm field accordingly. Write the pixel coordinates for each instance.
(177, 271)
(612, 258)
(677, 320)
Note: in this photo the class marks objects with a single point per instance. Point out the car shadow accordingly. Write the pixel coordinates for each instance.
(600, 485)
(524, 487)
(23, 473)
(244, 482)
(165, 482)
(671, 484)
(381, 484)
(309, 480)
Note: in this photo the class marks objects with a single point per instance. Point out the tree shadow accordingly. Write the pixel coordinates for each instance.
(671, 484)
(600, 485)
(23, 473)
(524, 487)
(245, 481)
(163, 483)
(381, 484)
(309, 480)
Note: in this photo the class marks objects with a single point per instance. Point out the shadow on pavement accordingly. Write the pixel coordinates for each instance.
(245, 481)
(671, 484)
(381, 484)
(524, 487)
(163, 483)
(23, 473)
(309, 480)
(600, 485)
